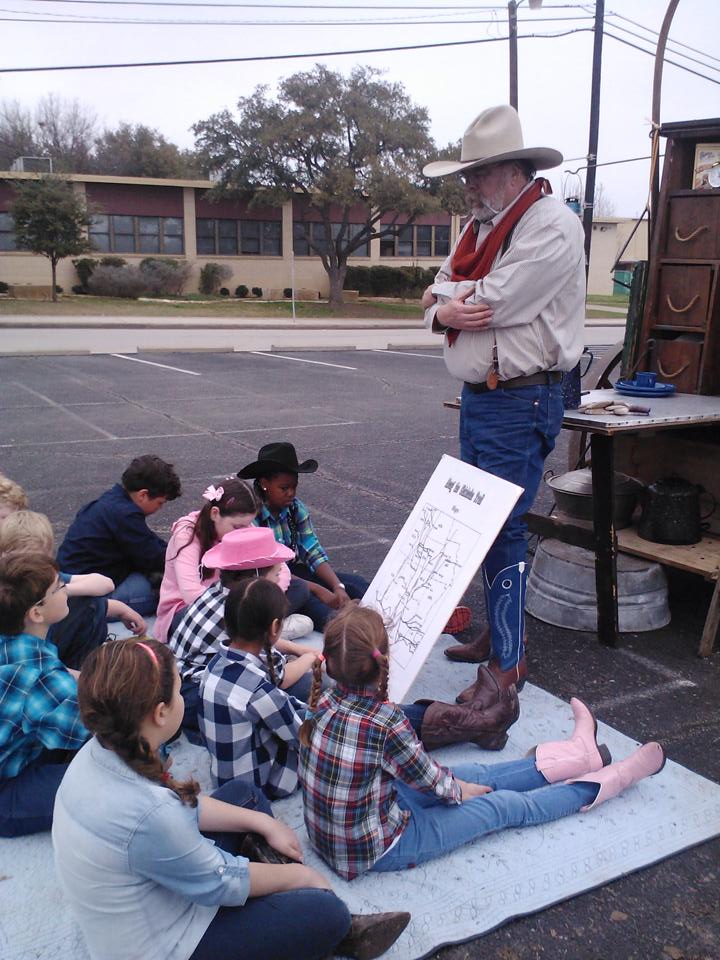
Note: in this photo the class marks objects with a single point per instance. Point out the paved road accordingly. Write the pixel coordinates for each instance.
(375, 422)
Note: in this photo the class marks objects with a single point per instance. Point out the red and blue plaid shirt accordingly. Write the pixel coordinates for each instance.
(359, 746)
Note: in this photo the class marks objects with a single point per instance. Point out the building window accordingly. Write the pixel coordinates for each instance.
(239, 237)
(119, 233)
(7, 232)
(417, 240)
(316, 231)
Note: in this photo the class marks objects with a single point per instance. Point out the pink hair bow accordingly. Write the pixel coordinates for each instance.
(213, 494)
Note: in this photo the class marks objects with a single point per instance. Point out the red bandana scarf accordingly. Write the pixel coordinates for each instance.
(471, 264)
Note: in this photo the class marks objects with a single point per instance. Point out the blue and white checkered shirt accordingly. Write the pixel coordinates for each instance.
(38, 703)
(250, 726)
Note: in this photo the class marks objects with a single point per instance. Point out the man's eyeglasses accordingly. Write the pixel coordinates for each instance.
(61, 586)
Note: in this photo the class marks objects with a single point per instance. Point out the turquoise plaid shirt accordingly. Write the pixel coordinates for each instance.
(38, 703)
(295, 529)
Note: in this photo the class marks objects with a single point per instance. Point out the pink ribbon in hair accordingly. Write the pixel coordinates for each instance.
(213, 494)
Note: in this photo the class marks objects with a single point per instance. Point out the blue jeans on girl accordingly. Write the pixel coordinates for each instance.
(521, 797)
(302, 924)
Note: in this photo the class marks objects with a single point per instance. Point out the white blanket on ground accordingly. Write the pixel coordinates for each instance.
(452, 899)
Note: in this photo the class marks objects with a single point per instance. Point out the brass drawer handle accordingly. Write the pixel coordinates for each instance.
(671, 376)
(690, 236)
(684, 309)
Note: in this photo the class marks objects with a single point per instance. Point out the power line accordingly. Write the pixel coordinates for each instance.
(301, 6)
(288, 56)
(63, 18)
(651, 53)
(655, 33)
(678, 53)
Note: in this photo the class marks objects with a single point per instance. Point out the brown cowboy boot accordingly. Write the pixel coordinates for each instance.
(490, 680)
(446, 723)
(476, 651)
(371, 934)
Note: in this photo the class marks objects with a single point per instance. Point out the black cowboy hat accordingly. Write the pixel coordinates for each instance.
(275, 457)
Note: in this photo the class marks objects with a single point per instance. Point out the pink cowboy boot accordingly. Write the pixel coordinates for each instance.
(645, 762)
(561, 759)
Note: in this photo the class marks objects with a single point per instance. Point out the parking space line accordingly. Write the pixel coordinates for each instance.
(407, 353)
(298, 426)
(648, 693)
(69, 413)
(320, 363)
(152, 363)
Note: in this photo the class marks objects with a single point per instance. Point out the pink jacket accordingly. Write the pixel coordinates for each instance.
(181, 583)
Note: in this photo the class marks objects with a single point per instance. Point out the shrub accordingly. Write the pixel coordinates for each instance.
(212, 276)
(4, 287)
(386, 281)
(257, 291)
(58, 288)
(224, 292)
(241, 291)
(164, 276)
(84, 268)
(112, 261)
(111, 281)
(287, 293)
(78, 289)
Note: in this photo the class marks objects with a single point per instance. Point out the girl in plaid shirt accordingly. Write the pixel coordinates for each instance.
(375, 800)
(249, 723)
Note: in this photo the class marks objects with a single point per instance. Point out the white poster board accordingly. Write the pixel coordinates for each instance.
(433, 559)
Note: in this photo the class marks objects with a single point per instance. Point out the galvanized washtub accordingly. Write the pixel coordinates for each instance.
(561, 589)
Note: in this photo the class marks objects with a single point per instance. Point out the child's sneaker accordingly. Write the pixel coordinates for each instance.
(295, 626)
(460, 620)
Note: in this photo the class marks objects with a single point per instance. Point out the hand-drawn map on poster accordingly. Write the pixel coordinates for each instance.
(434, 558)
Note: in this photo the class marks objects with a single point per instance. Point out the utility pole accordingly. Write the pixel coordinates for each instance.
(594, 127)
(513, 38)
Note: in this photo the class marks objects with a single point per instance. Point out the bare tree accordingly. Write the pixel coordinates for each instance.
(66, 132)
(17, 133)
(603, 205)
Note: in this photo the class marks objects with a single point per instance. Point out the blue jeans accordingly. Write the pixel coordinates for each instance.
(81, 631)
(509, 433)
(302, 924)
(319, 612)
(521, 797)
(137, 592)
(27, 800)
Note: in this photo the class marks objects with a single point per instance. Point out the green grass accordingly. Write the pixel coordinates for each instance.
(222, 308)
(612, 300)
(591, 314)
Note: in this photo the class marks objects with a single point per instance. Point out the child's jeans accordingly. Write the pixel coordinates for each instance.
(137, 592)
(27, 800)
(302, 924)
(521, 797)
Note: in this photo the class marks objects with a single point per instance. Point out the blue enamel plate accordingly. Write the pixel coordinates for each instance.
(632, 389)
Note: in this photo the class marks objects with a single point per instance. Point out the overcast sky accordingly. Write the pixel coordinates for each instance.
(453, 83)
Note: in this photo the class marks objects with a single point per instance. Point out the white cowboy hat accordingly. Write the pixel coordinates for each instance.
(494, 135)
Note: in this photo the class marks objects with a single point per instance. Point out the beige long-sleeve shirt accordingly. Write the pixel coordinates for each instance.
(537, 293)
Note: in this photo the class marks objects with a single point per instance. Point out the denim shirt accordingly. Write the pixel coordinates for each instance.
(140, 878)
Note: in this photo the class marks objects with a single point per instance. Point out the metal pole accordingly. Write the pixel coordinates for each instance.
(657, 87)
(512, 37)
(594, 127)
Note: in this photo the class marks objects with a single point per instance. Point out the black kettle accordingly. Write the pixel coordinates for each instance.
(671, 511)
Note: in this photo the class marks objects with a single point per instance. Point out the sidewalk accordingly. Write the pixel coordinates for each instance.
(38, 334)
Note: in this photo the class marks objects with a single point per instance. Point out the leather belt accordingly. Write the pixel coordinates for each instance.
(546, 377)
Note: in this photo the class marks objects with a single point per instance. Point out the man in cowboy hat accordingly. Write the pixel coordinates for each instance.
(510, 302)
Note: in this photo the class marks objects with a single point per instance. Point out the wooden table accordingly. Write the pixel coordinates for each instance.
(667, 413)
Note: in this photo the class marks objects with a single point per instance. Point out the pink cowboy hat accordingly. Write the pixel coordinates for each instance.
(249, 548)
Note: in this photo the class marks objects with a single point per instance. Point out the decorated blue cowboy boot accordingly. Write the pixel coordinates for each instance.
(506, 614)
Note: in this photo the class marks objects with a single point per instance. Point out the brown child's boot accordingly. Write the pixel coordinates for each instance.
(371, 934)
(446, 723)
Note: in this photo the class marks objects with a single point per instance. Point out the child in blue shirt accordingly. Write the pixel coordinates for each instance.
(40, 725)
(110, 535)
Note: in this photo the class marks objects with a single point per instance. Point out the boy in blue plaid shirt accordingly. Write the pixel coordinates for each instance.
(250, 725)
(39, 720)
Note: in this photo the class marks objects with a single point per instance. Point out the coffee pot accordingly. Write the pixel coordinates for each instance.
(671, 511)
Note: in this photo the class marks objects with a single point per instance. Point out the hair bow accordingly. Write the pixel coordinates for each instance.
(213, 494)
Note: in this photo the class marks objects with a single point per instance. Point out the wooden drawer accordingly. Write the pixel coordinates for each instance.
(678, 362)
(693, 228)
(683, 295)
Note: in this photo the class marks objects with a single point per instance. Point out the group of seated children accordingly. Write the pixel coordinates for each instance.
(151, 868)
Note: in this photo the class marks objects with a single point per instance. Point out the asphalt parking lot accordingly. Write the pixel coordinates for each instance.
(375, 422)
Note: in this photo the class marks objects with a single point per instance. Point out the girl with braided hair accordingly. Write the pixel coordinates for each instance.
(249, 723)
(154, 870)
(375, 800)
